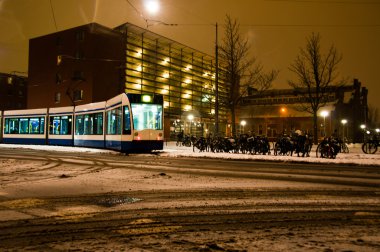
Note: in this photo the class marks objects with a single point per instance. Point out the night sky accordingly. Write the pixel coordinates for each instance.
(276, 28)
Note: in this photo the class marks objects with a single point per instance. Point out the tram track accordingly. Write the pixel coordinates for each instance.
(339, 202)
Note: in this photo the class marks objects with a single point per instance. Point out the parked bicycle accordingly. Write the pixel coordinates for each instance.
(371, 144)
(328, 148)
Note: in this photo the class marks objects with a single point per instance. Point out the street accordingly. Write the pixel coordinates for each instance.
(57, 201)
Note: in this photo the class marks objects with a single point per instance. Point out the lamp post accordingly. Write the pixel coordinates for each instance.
(344, 121)
(282, 112)
(324, 113)
(363, 126)
(243, 123)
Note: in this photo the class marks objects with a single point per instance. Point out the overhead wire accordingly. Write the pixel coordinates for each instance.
(52, 11)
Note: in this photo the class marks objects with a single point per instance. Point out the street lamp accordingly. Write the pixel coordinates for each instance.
(152, 6)
(344, 121)
(283, 112)
(243, 123)
(362, 126)
(324, 113)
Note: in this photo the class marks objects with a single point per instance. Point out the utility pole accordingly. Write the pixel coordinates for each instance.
(216, 81)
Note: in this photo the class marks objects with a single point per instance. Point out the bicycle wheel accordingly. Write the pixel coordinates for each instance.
(318, 152)
(369, 148)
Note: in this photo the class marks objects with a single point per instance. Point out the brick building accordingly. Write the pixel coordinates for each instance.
(273, 112)
(13, 91)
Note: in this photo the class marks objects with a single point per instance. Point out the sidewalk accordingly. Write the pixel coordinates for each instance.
(355, 157)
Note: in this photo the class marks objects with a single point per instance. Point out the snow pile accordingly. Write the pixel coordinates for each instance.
(355, 157)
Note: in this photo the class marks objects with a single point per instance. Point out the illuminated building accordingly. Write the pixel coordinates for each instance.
(93, 63)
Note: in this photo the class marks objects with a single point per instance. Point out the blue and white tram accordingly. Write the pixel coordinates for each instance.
(24, 126)
(61, 126)
(126, 123)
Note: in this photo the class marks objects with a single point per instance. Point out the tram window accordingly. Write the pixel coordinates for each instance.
(98, 124)
(34, 126)
(11, 125)
(60, 125)
(24, 126)
(79, 125)
(147, 116)
(92, 124)
(127, 121)
(42, 125)
(66, 125)
(114, 121)
(54, 123)
(88, 121)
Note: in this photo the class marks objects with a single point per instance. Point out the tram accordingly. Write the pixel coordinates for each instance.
(126, 123)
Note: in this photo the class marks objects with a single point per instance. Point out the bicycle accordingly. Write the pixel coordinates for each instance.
(370, 145)
(328, 148)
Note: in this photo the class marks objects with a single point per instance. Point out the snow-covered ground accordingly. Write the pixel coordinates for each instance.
(355, 157)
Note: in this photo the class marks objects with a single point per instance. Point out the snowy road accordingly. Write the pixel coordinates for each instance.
(100, 200)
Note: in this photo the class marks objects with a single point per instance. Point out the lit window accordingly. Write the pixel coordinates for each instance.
(188, 67)
(78, 95)
(166, 75)
(166, 61)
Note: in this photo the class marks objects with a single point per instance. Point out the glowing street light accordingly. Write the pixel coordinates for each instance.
(243, 123)
(152, 6)
(363, 126)
(344, 122)
(324, 113)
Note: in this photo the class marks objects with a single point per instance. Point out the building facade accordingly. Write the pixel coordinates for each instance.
(13, 91)
(92, 63)
(278, 111)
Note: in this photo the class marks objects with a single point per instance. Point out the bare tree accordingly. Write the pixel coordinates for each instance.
(315, 73)
(373, 116)
(241, 71)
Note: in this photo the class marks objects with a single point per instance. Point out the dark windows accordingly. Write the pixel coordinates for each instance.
(78, 95)
(58, 78)
(78, 75)
(127, 121)
(57, 97)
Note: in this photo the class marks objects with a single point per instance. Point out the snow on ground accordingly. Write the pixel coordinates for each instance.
(355, 157)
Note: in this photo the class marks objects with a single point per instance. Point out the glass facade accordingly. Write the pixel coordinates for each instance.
(184, 76)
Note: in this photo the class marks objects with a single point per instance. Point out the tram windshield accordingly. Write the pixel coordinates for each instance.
(147, 116)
